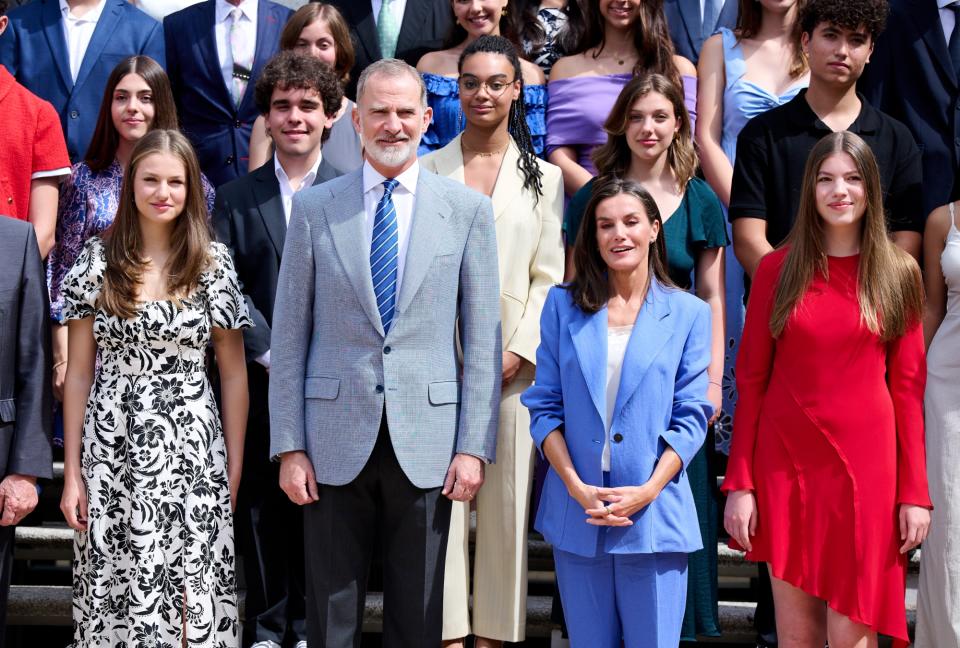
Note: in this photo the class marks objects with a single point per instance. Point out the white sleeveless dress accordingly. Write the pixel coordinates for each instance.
(938, 605)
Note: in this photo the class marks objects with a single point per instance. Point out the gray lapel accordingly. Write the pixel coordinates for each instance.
(346, 217)
(426, 229)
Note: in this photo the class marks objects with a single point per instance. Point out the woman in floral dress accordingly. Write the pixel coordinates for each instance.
(149, 474)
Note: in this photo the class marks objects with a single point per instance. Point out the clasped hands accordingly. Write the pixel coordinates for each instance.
(612, 506)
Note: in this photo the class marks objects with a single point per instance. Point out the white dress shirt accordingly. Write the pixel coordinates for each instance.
(396, 6)
(248, 24)
(287, 190)
(404, 196)
(78, 32)
(948, 19)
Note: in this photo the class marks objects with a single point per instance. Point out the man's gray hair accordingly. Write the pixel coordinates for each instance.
(391, 68)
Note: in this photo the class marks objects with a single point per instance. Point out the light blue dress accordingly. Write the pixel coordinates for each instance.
(742, 101)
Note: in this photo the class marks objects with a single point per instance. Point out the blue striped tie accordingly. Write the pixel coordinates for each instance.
(383, 255)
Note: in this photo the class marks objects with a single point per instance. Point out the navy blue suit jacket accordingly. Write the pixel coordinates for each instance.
(910, 77)
(34, 50)
(683, 19)
(219, 130)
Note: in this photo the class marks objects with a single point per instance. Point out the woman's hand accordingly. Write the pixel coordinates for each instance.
(73, 502)
(233, 477)
(715, 396)
(588, 497)
(740, 517)
(624, 501)
(59, 376)
(511, 366)
(914, 526)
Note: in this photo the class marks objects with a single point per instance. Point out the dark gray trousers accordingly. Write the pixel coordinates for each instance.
(341, 531)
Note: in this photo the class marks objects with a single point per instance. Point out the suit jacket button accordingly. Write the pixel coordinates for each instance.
(9, 200)
(229, 159)
(617, 438)
(387, 349)
(74, 114)
(379, 389)
(238, 124)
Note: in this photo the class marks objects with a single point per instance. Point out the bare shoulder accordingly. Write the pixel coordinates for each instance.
(532, 74)
(712, 53)
(684, 66)
(568, 66)
(938, 224)
(440, 62)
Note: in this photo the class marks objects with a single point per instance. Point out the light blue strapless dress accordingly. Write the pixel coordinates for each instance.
(742, 101)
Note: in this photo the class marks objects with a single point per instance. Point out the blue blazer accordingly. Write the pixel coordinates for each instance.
(219, 130)
(911, 78)
(662, 400)
(34, 50)
(684, 23)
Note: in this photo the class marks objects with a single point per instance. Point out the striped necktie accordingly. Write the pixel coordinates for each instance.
(953, 45)
(383, 255)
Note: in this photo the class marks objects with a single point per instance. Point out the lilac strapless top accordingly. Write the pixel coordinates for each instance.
(580, 105)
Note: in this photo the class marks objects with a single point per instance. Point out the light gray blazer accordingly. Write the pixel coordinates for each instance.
(333, 371)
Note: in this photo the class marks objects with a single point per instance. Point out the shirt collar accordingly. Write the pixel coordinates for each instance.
(248, 8)
(308, 179)
(942, 4)
(408, 179)
(868, 121)
(91, 16)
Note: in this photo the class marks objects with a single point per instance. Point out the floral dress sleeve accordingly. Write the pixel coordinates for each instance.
(81, 287)
(225, 302)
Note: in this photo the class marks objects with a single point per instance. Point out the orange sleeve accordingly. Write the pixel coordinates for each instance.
(906, 379)
(754, 366)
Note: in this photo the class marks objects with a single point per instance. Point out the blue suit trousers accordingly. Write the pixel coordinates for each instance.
(637, 599)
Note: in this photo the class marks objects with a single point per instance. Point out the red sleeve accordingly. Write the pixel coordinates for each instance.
(906, 379)
(49, 147)
(754, 366)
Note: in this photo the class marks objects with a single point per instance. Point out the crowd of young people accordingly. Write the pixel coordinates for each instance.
(314, 288)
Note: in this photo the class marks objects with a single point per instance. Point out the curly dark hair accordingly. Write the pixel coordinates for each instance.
(3, 7)
(848, 14)
(289, 70)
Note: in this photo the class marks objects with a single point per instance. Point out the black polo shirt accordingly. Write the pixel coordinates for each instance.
(772, 152)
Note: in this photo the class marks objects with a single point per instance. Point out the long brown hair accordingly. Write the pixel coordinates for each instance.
(613, 157)
(651, 39)
(123, 240)
(103, 145)
(748, 25)
(889, 287)
(590, 285)
(311, 13)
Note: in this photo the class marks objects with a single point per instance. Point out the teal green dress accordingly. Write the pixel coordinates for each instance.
(697, 224)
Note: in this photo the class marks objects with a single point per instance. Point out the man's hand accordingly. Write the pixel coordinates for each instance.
(297, 478)
(18, 496)
(511, 366)
(464, 478)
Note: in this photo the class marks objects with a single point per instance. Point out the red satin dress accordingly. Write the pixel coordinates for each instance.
(828, 433)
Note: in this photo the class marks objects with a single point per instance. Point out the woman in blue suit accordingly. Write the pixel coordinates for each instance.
(618, 408)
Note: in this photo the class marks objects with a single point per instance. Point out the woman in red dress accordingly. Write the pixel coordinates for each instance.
(827, 476)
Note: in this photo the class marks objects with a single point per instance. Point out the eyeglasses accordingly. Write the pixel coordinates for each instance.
(471, 85)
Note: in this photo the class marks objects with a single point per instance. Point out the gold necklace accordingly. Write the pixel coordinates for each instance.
(483, 154)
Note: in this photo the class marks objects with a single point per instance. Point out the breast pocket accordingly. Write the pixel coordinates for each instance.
(321, 387)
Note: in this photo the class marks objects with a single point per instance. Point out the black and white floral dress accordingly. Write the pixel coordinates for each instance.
(158, 553)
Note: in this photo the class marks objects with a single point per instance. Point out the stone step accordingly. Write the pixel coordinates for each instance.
(56, 543)
(52, 605)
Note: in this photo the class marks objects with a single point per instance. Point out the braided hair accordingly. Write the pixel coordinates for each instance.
(517, 120)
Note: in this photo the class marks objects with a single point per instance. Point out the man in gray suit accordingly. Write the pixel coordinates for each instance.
(26, 400)
(376, 423)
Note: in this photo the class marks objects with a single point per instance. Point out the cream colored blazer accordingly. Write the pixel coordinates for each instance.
(529, 243)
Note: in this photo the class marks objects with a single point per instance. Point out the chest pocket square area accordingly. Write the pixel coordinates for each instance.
(321, 387)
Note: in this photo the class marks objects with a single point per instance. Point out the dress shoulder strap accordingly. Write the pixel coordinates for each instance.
(733, 64)
(953, 218)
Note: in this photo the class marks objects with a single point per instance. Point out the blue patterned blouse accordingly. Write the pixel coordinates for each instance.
(88, 204)
(443, 96)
